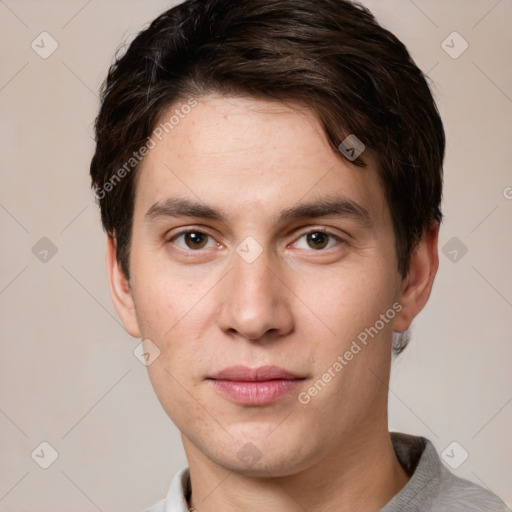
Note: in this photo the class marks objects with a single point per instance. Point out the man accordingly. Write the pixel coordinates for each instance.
(269, 174)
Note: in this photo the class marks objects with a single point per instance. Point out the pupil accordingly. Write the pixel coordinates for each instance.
(195, 240)
(318, 240)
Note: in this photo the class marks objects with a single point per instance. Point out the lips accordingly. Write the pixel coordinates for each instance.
(263, 373)
(255, 386)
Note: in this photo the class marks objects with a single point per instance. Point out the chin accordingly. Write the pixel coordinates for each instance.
(263, 457)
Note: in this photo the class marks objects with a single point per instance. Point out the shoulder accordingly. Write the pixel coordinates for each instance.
(458, 494)
(432, 486)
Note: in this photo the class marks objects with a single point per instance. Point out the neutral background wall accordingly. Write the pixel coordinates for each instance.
(68, 375)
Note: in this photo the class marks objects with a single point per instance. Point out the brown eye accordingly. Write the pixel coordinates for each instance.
(317, 240)
(194, 240)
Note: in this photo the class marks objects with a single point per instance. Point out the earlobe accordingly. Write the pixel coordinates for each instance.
(120, 290)
(416, 287)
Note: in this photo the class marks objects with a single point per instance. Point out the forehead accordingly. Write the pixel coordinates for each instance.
(243, 153)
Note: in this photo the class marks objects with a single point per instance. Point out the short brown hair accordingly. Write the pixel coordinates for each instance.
(330, 55)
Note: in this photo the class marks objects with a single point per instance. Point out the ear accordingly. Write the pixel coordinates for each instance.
(416, 287)
(120, 290)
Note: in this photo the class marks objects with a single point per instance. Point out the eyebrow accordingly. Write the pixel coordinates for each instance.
(327, 207)
(323, 207)
(180, 207)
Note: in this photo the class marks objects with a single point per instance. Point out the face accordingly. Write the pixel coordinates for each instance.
(254, 244)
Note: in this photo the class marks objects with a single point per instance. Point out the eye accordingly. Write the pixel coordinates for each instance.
(317, 240)
(193, 240)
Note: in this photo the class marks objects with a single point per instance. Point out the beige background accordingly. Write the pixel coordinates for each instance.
(68, 374)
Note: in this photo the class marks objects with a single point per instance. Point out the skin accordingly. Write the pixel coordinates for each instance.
(298, 305)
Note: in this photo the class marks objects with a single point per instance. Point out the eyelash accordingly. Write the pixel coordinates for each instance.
(317, 230)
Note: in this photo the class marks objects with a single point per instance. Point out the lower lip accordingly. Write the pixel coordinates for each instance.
(255, 393)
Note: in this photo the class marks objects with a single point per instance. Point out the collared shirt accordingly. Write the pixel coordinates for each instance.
(431, 488)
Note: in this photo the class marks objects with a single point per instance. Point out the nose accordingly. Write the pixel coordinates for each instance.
(255, 300)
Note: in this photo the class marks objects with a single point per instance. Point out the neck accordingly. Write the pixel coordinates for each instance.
(362, 474)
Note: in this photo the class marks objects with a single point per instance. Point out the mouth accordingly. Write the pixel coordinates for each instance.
(255, 386)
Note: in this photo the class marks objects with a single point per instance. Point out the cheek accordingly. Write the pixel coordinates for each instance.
(164, 295)
(175, 393)
(346, 300)
(172, 312)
